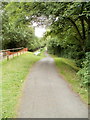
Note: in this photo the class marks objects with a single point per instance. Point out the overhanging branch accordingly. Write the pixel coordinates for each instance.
(75, 26)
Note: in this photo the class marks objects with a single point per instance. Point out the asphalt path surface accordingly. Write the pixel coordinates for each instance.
(47, 95)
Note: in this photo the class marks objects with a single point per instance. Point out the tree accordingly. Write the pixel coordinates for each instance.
(16, 29)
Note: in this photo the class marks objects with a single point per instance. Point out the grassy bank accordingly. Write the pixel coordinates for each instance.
(68, 70)
(14, 73)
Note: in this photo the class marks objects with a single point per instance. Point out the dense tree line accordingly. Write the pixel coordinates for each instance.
(16, 30)
(68, 29)
(68, 34)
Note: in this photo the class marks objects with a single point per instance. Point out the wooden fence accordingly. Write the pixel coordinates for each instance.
(10, 53)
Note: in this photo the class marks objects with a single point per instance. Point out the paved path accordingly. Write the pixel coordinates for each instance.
(46, 95)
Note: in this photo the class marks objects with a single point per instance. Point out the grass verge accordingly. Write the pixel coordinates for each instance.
(14, 73)
(68, 69)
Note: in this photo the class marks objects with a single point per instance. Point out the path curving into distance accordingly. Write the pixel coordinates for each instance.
(46, 95)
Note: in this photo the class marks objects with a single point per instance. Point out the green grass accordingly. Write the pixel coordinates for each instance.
(14, 73)
(68, 69)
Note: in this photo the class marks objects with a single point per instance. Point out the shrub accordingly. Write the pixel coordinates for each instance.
(85, 71)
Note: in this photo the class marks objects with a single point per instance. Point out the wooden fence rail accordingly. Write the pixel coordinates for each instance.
(10, 53)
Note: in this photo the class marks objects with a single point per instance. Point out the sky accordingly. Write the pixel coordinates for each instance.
(39, 31)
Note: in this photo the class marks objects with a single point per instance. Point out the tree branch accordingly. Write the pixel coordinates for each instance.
(75, 26)
(83, 28)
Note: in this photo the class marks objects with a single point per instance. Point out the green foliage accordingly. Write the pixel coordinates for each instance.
(85, 71)
(53, 46)
(65, 47)
(67, 21)
(70, 23)
(17, 31)
(68, 70)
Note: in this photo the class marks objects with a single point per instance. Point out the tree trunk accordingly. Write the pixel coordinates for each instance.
(88, 39)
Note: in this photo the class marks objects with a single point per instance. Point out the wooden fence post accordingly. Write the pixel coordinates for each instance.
(7, 57)
(13, 55)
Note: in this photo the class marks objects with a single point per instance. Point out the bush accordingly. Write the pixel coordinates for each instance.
(85, 71)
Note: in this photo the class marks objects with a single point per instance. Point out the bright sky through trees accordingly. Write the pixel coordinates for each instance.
(39, 31)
